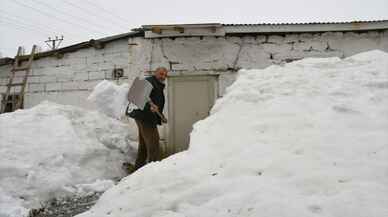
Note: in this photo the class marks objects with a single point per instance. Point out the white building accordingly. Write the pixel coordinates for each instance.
(203, 60)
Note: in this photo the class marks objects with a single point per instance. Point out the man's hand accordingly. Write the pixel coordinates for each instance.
(153, 107)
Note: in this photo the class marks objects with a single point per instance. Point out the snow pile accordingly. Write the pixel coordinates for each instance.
(54, 150)
(10, 206)
(110, 98)
(97, 186)
(305, 139)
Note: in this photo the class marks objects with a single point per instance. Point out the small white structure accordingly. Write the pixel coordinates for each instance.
(203, 60)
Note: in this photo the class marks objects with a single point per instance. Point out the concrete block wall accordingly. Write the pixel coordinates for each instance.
(70, 79)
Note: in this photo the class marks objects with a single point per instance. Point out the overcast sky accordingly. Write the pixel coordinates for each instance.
(28, 22)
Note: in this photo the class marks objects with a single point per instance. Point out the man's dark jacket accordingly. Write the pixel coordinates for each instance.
(157, 96)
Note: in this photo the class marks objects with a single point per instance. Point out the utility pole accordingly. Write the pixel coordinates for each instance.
(52, 43)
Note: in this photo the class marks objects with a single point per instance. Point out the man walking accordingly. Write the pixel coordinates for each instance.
(148, 119)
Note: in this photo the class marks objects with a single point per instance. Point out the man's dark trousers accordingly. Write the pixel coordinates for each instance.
(148, 144)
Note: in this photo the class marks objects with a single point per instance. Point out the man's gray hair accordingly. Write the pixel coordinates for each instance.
(161, 68)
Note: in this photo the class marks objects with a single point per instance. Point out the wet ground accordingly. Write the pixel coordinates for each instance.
(66, 207)
(72, 205)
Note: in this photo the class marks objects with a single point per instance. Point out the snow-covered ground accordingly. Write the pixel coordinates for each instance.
(55, 150)
(309, 138)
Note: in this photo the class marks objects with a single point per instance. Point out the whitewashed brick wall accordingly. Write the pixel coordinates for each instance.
(70, 79)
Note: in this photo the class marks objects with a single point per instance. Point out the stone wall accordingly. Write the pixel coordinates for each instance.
(69, 80)
(225, 55)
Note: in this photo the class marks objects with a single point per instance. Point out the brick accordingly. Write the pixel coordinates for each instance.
(35, 87)
(91, 84)
(83, 85)
(4, 81)
(385, 34)
(249, 39)
(332, 35)
(79, 64)
(374, 34)
(15, 89)
(305, 36)
(108, 74)
(48, 79)
(354, 35)
(291, 38)
(310, 45)
(233, 39)
(33, 79)
(81, 76)
(38, 71)
(3, 89)
(277, 39)
(70, 85)
(53, 86)
(18, 79)
(97, 75)
(65, 77)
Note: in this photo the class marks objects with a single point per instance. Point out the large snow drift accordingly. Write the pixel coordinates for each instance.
(52, 150)
(305, 139)
(110, 98)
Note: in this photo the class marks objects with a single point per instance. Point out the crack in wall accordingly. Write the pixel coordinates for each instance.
(238, 54)
(151, 55)
(170, 62)
(163, 51)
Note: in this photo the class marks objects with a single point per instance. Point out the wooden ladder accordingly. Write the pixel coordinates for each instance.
(17, 66)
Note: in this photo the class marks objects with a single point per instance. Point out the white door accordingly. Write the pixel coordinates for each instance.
(190, 100)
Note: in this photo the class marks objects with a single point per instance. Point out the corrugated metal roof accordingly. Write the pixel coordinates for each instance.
(305, 27)
(302, 23)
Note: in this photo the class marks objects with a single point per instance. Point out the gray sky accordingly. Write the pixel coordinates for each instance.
(28, 22)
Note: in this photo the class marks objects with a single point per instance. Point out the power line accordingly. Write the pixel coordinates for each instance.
(93, 13)
(111, 13)
(22, 28)
(26, 21)
(71, 15)
(18, 26)
(30, 25)
(21, 25)
(52, 16)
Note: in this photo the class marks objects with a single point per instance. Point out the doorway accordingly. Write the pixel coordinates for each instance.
(190, 99)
